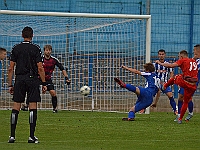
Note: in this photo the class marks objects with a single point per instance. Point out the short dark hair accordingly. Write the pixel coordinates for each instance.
(27, 32)
(47, 47)
(149, 66)
(2, 49)
(197, 45)
(161, 50)
(184, 52)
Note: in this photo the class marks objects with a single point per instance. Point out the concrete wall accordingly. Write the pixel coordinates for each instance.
(164, 105)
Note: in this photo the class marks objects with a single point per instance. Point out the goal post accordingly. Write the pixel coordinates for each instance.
(92, 46)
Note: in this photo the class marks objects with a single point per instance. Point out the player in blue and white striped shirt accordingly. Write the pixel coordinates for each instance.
(164, 74)
(181, 90)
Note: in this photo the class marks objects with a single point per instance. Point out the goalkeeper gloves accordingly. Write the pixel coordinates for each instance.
(67, 81)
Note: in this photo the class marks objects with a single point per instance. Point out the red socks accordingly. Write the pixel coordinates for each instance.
(169, 82)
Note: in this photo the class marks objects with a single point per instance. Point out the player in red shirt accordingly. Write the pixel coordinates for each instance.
(186, 80)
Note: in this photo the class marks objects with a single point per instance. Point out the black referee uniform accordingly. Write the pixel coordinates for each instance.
(26, 55)
(27, 61)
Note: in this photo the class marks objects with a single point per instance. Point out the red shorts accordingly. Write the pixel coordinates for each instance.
(189, 89)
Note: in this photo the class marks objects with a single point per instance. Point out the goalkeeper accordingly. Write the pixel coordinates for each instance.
(49, 63)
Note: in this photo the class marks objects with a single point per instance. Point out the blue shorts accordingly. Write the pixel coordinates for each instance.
(167, 90)
(144, 100)
(181, 91)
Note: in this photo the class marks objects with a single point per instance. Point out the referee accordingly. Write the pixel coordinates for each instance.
(26, 58)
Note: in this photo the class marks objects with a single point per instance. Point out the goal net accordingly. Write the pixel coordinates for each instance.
(91, 46)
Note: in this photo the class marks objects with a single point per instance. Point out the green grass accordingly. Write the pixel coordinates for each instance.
(80, 130)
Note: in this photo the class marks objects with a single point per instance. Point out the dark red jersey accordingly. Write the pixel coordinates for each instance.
(49, 66)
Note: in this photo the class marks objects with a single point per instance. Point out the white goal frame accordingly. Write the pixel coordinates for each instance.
(92, 15)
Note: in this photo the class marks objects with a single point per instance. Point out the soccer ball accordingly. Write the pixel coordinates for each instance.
(85, 90)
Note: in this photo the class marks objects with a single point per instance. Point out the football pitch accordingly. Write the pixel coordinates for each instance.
(86, 130)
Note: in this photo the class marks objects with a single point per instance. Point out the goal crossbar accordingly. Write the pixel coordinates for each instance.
(63, 14)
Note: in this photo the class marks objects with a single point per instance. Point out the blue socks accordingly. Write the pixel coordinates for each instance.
(131, 114)
(190, 107)
(180, 103)
(172, 103)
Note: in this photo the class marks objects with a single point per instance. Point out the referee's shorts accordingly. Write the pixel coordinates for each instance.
(24, 84)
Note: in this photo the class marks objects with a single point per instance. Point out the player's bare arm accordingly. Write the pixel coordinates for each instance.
(154, 104)
(64, 72)
(171, 74)
(42, 76)
(10, 76)
(132, 70)
(168, 65)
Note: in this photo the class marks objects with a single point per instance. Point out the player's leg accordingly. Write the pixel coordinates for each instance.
(32, 122)
(136, 90)
(18, 98)
(133, 88)
(50, 88)
(180, 102)
(54, 100)
(183, 110)
(188, 92)
(25, 106)
(131, 114)
(129, 87)
(190, 109)
(169, 94)
(13, 121)
(33, 96)
(144, 100)
(136, 108)
(180, 99)
(169, 82)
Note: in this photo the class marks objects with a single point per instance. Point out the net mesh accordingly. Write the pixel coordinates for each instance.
(92, 49)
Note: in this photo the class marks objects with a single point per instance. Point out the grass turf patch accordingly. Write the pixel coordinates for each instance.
(82, 130)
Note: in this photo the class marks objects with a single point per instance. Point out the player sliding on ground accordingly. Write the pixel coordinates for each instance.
(187, 80)
(145, 94)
